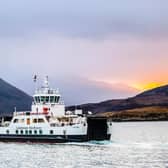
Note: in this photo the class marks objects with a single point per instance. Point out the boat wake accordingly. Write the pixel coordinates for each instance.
(104, 143)
(115, 144)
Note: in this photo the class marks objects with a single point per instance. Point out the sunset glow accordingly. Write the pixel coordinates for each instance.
(148, 86)
(102, 50)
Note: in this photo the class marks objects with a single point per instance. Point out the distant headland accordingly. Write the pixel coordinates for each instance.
(151, 105)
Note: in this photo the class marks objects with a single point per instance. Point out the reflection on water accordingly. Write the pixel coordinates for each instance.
(133, 144)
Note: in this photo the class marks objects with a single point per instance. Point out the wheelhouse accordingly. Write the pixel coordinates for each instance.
(47, 99)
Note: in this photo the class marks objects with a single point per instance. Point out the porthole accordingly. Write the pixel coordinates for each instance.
(21, 131)
(26, 132)
(30, 131)
(51, 131)
(17, 131)
(40, 131)
(35, 131)
(7, 131)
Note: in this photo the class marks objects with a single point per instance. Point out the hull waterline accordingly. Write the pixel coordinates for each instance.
(47, 139)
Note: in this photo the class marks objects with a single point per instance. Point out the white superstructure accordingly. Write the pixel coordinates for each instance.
(48, 101)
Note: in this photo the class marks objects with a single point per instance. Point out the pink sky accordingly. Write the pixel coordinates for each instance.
(123, 46)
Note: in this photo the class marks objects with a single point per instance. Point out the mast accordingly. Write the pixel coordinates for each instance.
(35, 82)
(46, 83)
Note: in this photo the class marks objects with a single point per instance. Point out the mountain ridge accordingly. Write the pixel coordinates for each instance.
(153, 97)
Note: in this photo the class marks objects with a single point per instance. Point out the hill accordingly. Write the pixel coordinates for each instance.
(11, 97)
(152, 113)
(154, 97)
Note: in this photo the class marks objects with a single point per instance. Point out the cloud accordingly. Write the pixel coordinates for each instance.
(85, 19)
(108, 41)
(81, 90)
(126, 60)
(78, 90)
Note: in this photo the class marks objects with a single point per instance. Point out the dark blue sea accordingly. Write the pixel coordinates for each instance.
(133, 144)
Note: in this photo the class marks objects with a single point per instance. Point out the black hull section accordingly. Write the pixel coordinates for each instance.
(43, 138)
(47, 138)
(97, 128)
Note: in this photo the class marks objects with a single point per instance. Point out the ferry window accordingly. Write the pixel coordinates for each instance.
(21, 131)
(30, 131)
(21, 121)
(40, 131)
(58, 99)
(26, 132)
(55, 99)
(15, 121)
(16, 131)
(7, 131)
(47, 99)
(52, 99)
(43, 99)
(41, 120)
(28, 121)
(38, 99)
(35, 120)
(35, 131)
(51, 131)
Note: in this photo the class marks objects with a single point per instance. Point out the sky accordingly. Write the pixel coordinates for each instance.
(92, 50)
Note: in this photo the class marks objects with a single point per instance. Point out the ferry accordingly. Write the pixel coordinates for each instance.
(49, 122)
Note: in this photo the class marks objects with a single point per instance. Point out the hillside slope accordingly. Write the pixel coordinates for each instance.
(11, 97)
(154, 97)
(152, 113)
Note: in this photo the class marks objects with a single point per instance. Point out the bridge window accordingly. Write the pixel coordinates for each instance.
(37, 99)
(47, 99)
(52, 99)
(43, 99)
(57, 99)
